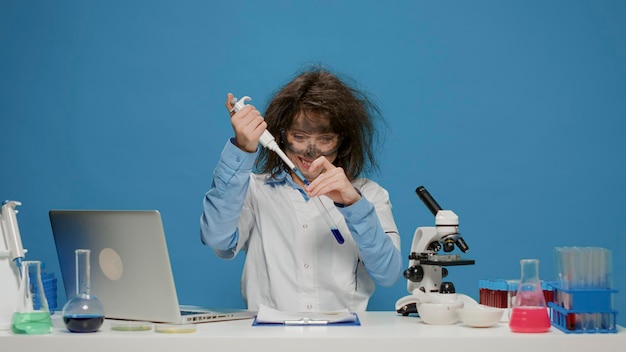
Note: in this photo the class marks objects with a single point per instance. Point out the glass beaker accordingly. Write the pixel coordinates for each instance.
(32, 315)
(530, 313)
(83, 312)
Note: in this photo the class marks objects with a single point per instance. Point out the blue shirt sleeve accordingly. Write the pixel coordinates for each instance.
(381, 257)
(223, 202)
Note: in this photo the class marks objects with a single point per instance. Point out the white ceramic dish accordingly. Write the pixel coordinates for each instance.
(480, 316)
(439, 313)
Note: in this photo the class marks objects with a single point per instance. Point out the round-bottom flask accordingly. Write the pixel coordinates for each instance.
(83, 312)
(530, 313)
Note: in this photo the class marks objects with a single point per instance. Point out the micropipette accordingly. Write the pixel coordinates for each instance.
(267, 140)
(12, 232)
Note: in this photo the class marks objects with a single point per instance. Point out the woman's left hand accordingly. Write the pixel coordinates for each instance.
(332, 182)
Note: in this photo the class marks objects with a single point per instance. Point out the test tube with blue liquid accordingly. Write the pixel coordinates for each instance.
(325, 214)
(267, 141)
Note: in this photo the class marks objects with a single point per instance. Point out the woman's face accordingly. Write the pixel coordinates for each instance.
(307, 139)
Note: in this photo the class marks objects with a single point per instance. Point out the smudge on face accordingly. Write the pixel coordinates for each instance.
(311, 138)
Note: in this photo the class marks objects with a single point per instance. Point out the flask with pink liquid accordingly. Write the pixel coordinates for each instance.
(530, 313)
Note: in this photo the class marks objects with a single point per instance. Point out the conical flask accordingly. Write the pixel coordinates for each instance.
(32, 315)
(530, 313)
(83, 312)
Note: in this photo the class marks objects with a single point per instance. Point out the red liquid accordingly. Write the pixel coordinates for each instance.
(529, 319)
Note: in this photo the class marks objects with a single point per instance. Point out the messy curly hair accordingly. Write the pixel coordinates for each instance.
(318, 93)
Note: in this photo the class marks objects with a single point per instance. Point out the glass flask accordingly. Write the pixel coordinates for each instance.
(31, 315)
(83, 312)
(529, 313)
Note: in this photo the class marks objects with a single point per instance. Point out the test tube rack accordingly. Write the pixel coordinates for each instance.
(500, 293)
(583, 310)
(49, 282)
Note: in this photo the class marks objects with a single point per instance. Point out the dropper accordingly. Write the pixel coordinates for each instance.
(268, 141)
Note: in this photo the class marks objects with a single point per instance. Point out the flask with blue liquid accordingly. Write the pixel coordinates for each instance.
(83, 312)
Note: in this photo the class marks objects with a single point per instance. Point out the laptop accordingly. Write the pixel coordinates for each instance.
(130, 269)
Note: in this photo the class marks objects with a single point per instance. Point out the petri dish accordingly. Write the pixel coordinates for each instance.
(175, 328)
(131, 326)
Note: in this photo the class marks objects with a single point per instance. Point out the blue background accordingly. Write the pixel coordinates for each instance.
(511, 113)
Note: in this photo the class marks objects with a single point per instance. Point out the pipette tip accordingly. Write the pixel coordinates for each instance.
(300, 175)
(18, 264)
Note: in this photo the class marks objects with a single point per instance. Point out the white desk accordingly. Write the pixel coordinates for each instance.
(379, 331)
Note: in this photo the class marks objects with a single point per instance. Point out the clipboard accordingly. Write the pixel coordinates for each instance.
(305, 321)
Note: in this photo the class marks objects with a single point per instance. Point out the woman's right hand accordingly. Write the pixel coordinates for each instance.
(248, 125)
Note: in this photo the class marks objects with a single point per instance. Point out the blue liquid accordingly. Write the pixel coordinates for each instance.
(83, 323)
(18, 263)
(337, 235)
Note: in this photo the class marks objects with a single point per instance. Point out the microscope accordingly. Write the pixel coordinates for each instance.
(427, 267)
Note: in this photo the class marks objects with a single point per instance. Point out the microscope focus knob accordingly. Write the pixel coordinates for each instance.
(414, 273)
(447, 287)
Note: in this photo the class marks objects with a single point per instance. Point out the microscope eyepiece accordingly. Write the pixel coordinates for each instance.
(428, 200)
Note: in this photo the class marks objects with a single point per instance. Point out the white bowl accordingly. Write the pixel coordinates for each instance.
(480, 316)
(439, 313)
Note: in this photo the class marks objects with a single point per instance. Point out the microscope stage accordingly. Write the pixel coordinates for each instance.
(443, 261)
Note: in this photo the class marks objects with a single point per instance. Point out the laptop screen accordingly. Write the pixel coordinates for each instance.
(130, 267)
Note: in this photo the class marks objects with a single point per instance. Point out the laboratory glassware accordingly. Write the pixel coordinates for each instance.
(83, 312)
(32, 315)
(584, 294)
(529, 313)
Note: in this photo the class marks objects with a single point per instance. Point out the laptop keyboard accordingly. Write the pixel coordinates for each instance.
(189, 312)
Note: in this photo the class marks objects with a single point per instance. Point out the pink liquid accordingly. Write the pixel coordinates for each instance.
(529, 319)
